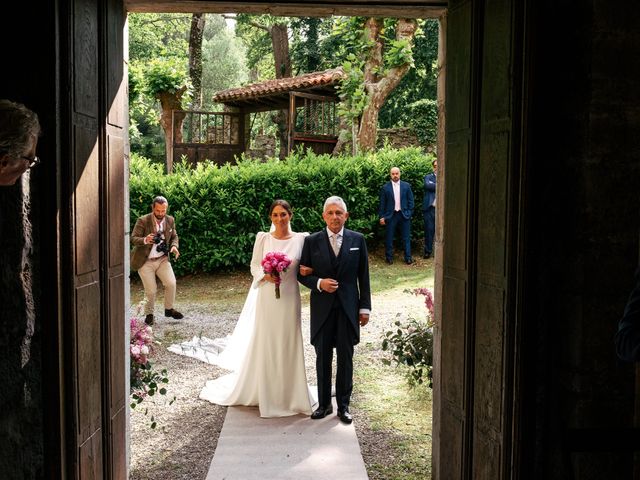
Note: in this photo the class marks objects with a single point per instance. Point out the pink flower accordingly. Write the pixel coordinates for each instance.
(275, 263)
(428, 298)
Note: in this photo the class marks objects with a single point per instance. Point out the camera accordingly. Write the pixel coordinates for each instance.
(161, 245)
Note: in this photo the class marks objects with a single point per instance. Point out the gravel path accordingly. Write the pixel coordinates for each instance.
(182, 445)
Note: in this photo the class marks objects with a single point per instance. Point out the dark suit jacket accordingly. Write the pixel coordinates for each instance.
(429, 190)
(144, 226)
(388, 203)
(628, 336)
(350, 269)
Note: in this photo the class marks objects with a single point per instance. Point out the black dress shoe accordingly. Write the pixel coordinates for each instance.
(321, 412)
(149, 319)
(389, 261)
(427, 255)
(173, 314)
(345, 416)
(410, 261)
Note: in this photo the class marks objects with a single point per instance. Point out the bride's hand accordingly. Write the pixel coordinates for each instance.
(304, 271)
(269, 278)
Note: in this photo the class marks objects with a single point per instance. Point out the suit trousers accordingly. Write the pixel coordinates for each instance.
(429, 216)
(336, 332)
(398, 220)
(160, 267)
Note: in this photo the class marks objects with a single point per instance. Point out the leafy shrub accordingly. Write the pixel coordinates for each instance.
(219, 209)
(424, 120)
(145, 380)
(411, 344)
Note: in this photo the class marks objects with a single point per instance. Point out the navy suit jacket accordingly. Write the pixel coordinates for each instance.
(388, 203)
(628, 336)
(429, 190)
(350, 269)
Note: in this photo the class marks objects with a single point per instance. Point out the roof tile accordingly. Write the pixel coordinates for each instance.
(279, 85)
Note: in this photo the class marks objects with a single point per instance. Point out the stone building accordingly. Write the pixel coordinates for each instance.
(537, 241)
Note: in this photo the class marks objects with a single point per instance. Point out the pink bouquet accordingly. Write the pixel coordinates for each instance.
(275, 263)
(141, 344)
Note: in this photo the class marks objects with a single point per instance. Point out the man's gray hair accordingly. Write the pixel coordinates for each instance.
(335, 200)
(17, 125)
(159, 199)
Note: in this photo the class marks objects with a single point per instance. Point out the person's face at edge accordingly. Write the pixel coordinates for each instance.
(11, 168)
(335, 217)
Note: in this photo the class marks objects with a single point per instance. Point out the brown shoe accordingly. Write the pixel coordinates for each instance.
(149, 319)
(173, 314)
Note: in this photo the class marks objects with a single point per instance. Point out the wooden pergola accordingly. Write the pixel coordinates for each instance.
(312, 120)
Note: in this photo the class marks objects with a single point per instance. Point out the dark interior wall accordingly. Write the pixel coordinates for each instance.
(581, 232)
(28, 252)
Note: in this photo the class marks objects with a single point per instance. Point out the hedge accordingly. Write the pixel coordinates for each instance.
(219, 209)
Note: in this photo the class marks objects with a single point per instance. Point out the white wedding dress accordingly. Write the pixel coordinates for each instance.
(265, 351)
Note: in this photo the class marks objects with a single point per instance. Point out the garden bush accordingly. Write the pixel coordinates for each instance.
(411, 343)
(424, 120)
(219, 209)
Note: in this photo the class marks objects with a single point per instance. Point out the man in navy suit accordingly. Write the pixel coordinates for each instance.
(628, 336)
(396, 209)
(429, 210)
(334, 265)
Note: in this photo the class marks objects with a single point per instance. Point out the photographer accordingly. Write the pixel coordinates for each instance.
(154, 237)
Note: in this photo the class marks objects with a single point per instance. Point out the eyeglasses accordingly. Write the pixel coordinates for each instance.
(32, 161)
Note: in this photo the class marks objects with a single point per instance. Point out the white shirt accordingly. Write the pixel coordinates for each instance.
(159, 227)
(396, 194)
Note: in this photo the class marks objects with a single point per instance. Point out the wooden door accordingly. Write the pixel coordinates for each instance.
(93, 236)
(475, 390)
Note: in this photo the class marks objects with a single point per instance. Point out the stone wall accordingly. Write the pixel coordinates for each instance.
(263, 146)
(400, 138)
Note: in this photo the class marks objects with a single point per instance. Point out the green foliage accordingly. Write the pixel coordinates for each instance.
(353, 96)
(153, 35)
(153, 38)
(411, 345)
(223, 60)
(419, 83)
(219, 209)
(424, 120)
(306, 36)
(258, 43)
(166, 75)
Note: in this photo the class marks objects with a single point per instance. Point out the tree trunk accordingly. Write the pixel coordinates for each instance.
(379, 87)
(280, 43)
(172, 130)
(195, 58)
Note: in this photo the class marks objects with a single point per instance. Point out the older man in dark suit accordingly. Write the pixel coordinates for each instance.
(335, 266)
(396, 209)
(154, 237)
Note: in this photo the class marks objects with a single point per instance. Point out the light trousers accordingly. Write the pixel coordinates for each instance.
(160, 268)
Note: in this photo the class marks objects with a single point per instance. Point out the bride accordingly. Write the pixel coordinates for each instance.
(265, 352)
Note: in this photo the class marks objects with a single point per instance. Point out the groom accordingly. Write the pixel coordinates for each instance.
(335, 266)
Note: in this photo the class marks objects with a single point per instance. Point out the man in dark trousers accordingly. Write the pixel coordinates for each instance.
(396, 209)
(429, 211)
(335, 266)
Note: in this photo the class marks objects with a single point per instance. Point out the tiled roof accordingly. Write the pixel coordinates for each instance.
(322, 82)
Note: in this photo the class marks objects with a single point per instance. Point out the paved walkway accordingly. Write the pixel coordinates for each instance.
(254, 448)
